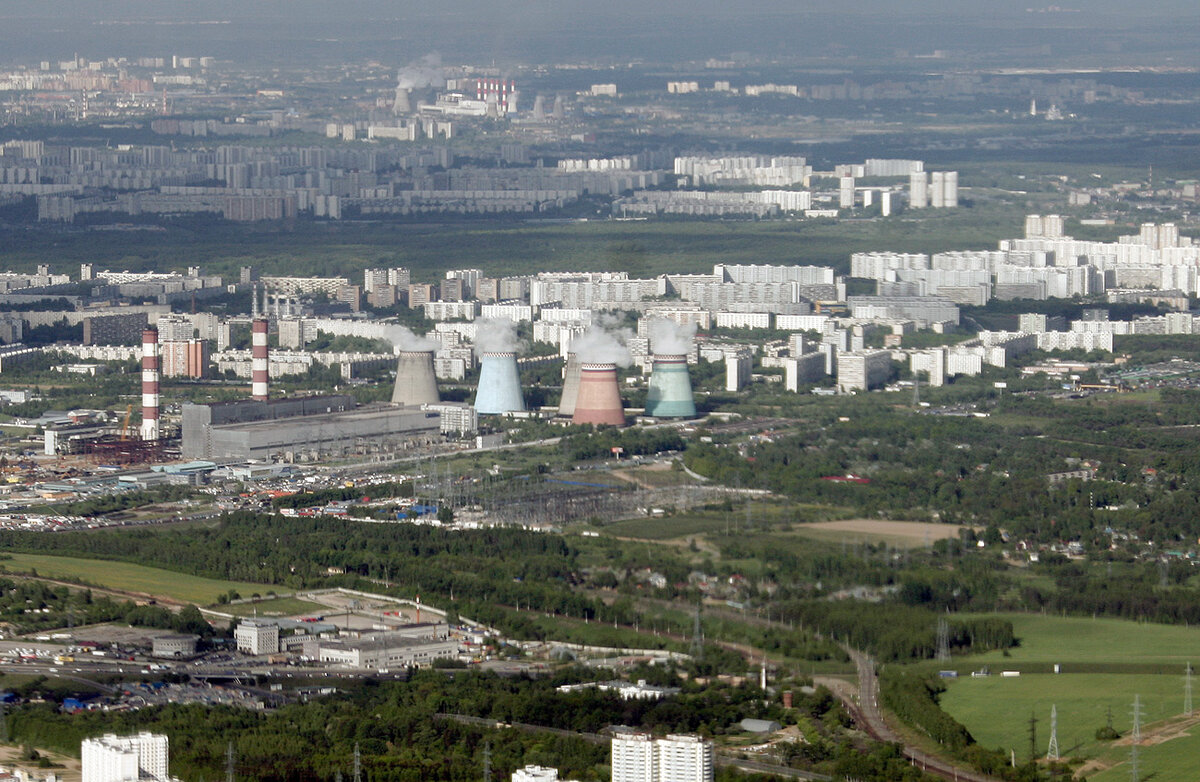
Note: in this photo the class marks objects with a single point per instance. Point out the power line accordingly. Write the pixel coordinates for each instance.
(943, 640)
(1052, 752)
(1187, 691)
(1135, 739)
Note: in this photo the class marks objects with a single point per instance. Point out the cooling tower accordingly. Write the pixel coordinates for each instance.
(670, 392)
(499, 385)
(403, 103)
(566, 405)
(539, 108)
(415, 383)
(150, 384)
(599, 400)
(260, 361)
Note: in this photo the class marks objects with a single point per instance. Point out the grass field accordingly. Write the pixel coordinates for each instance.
(280, 606)
(129, 578)
(1066, 640)
(996, 710)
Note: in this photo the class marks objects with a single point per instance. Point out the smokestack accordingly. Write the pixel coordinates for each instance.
(499, 384)
(403, 104)
(566, 405)
(670, 391)
(150, 384)
(259, 360)
(599, 400)
(415, 382)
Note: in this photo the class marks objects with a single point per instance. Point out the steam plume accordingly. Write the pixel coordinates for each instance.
(495, 335)
(668, 338)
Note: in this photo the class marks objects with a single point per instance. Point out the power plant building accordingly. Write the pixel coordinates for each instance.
(300, 428)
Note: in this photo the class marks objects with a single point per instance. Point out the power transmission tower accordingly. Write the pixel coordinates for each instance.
(943, 640)
(1052, 752)
(1033, 721)
(337, 776)
(1187, 691)
(916, 389)
(1135, 739)
(487, 761)
(697, 635)
(3, 722)
(357, 764)
(229, 762)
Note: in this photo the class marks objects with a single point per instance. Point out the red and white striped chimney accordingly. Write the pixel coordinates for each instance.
(259, 360)
(150, 384)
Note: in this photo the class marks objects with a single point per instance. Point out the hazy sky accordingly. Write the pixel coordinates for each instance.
(548, 30)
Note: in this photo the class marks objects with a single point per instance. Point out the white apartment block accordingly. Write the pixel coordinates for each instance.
(517, 313)
(451, 310)
(684, 758)
(862, 371)
(634, 758)
(805, 275)
(112, 758)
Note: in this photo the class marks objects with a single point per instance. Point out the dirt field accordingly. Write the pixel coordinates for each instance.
(66, 768)
(909, 534)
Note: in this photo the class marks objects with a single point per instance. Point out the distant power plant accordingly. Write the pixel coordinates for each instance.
(599, 398)
(570, 392)
(415, 381)
(499, 389)
(670, 391)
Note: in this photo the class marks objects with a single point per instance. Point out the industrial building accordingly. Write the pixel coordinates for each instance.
(255, 636)
(174, 647)
(300, 428)
(386, 650)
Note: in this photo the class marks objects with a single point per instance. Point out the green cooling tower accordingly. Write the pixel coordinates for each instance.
(670, 393)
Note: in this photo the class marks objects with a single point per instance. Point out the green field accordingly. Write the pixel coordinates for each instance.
(280, 606)
(1143, 660)
(1066, 640)
(129, 578)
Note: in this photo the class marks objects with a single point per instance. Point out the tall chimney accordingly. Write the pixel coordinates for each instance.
(150, 384)
(670, 392)
(499, 385)
(570, 392)
(599, 400)
(415, 381)
(259, 360)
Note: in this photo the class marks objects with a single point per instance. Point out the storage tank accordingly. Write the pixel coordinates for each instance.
(599, 399)
(670, 391)
(499, 385)
(415, 381)
(566, 405)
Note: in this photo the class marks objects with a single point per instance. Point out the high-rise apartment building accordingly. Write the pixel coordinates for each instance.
(112, 758)
(638, 757)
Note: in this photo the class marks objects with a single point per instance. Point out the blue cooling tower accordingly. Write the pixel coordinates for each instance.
(499, 385)
(670, 392)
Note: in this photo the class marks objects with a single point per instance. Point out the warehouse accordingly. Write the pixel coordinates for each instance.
(387, 650)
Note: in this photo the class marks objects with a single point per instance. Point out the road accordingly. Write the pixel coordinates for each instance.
(863, 704)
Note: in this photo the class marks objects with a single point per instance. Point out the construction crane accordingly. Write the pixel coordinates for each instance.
(125, 423)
